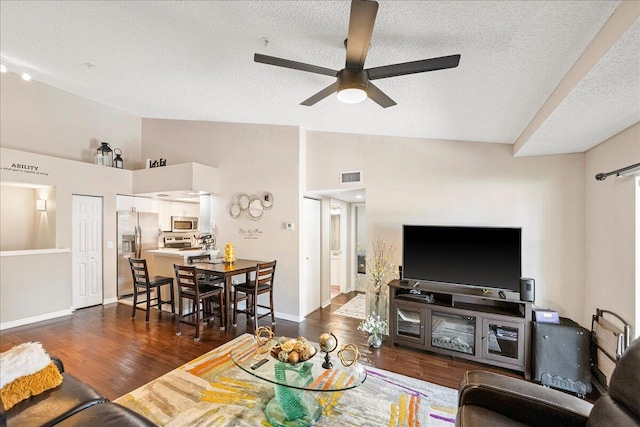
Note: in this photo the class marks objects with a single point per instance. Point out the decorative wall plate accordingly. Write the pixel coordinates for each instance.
(267, 200)
(235, 210)
(255, 209)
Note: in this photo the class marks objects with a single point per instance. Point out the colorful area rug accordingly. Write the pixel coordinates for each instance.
(212, 391)
(355, 307)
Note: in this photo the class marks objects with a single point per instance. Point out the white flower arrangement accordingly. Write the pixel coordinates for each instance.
(373, 324)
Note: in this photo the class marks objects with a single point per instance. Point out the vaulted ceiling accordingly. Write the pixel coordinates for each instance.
(549, 77)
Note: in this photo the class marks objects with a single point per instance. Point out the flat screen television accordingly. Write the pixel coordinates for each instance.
(485, 257)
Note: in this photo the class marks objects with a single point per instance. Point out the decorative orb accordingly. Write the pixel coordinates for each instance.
(263, 335)
(328, 342)
(349, 354)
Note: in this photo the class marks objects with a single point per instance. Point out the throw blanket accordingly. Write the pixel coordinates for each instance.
(21, 360)
(26, 370)
(212, 391)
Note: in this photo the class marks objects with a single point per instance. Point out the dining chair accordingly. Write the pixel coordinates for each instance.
(143, 284)
(202, 297)
(211, 278)
(262, 284)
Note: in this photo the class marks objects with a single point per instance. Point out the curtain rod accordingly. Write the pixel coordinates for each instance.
(629, 170)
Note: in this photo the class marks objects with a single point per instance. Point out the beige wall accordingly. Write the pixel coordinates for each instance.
(610, 271)
(34, 287)
(250, 159)
(17, 219)
(21, 225)
(41, 119)
(416, 181)
(69, 177)
(180, 141)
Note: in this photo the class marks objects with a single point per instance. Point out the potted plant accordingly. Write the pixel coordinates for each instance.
(376, 328)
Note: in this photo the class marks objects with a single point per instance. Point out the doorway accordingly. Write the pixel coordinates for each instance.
(310, 290)
(338, 237)
(86, 251)
(359, 248)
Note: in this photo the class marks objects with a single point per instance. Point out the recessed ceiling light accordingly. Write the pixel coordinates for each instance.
(359, 196)
(26, 76)
(3, 69)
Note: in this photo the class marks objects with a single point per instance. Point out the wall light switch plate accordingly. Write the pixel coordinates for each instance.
(110, 245)
(288, 226)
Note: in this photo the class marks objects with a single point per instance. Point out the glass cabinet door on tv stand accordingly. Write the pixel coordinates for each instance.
(408, 323)
(503, 340)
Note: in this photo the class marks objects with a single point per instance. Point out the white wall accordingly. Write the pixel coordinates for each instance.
(250, 159)
(41, 119)
(610, 277)
(418, 181)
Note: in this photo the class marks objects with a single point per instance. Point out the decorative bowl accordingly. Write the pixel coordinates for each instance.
(301, 351)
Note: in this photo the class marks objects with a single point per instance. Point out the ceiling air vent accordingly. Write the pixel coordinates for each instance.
(352, 176)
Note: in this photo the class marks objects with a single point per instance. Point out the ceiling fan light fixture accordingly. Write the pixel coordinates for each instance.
(352, 95)
(352, 86)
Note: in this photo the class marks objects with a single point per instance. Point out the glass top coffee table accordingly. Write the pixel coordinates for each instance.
(293, 404)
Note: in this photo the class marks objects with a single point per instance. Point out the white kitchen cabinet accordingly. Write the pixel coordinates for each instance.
(163, 208)
(185, 209)
(124, 203)
(193, 209)
(132, 203)
(143, 204)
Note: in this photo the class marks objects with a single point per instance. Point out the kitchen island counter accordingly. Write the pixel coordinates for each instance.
(162, 260)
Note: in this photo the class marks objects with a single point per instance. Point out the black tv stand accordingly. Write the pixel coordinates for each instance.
(464, 322)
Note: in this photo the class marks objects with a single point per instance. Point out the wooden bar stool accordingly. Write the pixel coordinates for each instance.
(262, 284)
(143, 284)
(212, 278)
(205, 298)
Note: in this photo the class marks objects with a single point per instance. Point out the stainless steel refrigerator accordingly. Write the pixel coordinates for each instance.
(137, 232)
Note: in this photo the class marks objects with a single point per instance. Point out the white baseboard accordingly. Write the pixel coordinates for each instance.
(286, 316)
(34, 319)
(283, 316)
(109, 301)
(326, 303)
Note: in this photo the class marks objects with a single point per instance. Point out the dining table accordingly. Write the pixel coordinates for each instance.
(228, 270)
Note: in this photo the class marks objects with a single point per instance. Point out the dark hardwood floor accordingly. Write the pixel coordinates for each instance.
(104, 347)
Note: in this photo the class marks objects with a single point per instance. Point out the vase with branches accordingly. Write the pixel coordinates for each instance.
(380, 271)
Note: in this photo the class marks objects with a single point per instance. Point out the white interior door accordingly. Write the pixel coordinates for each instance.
(86, 251)
(310, 289)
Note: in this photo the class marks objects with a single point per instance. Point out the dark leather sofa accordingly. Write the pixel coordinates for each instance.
(72, 403)
(489, 399)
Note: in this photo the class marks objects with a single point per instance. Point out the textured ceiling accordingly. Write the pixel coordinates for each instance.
(194, 61)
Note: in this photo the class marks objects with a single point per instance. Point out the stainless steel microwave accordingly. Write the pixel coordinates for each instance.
(184, 223)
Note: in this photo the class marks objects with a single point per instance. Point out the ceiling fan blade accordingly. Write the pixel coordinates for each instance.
(320, 95)
(361, 20)
(404, 68)
(379, 96)
(279, 62)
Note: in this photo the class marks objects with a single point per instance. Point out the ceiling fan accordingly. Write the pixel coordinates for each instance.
(353, 82)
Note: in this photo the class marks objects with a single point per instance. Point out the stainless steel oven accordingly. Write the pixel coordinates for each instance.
(181, 224)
